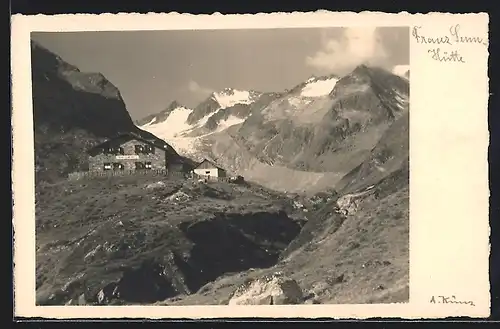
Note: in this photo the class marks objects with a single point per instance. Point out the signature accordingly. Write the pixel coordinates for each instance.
(454, 37)
(450, 300)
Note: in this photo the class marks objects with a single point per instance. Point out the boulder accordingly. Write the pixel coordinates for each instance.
(106, 294)
(349, 203)
(82, 300)
(274, 289)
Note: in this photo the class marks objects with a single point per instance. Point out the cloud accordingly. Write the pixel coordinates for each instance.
(357, 45)
(401, 70)
(195, 88)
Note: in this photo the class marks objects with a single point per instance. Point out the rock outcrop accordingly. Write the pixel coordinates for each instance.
(274, 289)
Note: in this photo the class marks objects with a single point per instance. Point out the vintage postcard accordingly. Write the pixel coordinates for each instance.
(296, 165)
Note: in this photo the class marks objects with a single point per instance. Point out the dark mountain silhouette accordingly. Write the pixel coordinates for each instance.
(73, 111)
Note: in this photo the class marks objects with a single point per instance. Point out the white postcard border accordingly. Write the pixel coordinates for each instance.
(449, 229)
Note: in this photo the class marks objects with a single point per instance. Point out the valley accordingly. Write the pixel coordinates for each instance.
(317, 132)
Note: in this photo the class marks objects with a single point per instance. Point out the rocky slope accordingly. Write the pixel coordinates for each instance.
(354, 248)
(73, 110)
(328, 133)
(177, 242)
(389, 155)
(317, 132)
(141, 240)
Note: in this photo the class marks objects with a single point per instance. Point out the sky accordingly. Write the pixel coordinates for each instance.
(153, 68)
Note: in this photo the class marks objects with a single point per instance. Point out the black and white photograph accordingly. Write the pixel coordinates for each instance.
(222, 167)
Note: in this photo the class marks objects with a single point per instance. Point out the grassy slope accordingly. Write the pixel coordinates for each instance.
(370, 249)
(87, 231)
(358, 258)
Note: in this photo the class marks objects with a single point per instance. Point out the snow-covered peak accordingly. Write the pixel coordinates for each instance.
(317, 87)
(311, 79)
(176, 129)
(170, 126)
(230, 97)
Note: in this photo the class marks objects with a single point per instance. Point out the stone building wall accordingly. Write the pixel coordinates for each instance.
(129, 158)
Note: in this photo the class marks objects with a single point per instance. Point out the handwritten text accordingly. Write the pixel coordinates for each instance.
(450, 300)
(453, 38)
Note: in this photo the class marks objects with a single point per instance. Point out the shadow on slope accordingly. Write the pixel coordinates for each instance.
(236, 242)
(362, 237)
(355, 257)
(391, 153)
(127, 240)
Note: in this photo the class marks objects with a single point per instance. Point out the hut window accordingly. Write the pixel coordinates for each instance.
(118, 166)
(144, 149)
(207, 172)
(148, 149)
(139, 165)
(148, 165)
(139, 149)
(115, 150)
(107, 166)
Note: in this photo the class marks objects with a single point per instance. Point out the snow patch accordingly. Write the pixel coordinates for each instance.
(175, 123)
(228, 99)
(174, 127)
(184, 145)
(319, 88)
(230, 121)
(298, 102)
(204, 120)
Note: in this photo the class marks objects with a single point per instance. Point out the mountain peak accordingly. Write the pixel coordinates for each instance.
(227, 90)
(315, 86)
(311, 78)
(228, 97)
(361, 69)
(173, 105)
(44, 60)
(366, 73)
